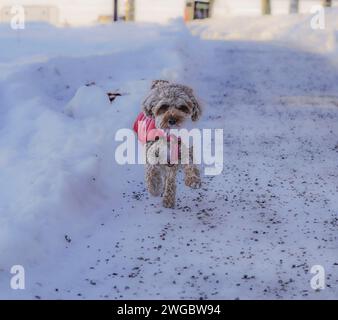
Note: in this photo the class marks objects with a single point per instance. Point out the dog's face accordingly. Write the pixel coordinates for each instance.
(171, 105)
(170, 114)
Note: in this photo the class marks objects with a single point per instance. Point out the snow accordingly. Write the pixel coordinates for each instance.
(84, 227)
(88, 101)
(293, 30)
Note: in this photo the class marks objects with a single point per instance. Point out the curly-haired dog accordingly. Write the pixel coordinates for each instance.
(168, 106)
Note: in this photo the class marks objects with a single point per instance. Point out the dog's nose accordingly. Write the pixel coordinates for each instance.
(172, 121)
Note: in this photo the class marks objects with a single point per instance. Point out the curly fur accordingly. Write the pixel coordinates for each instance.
(174, 95)
(170, 105)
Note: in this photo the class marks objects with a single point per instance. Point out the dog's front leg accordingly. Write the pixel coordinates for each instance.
(169, 196)
(192, 176)
(154, 179)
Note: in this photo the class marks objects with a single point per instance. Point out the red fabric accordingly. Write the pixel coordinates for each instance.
(146, 130)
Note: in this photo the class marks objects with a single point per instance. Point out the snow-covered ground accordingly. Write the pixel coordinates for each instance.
(84, 226)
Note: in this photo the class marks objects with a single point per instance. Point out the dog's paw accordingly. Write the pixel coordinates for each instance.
(155, 192)
(193, 182)
(168, 203)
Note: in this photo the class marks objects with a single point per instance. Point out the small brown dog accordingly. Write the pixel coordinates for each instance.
(169, 106)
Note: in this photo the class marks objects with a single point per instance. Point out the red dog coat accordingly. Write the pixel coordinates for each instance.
(146, 130)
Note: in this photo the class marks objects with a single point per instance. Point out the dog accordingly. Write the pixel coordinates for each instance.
(168, 106)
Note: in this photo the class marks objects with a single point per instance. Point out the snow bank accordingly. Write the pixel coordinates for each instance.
(88, 101)
(294, 30)
(57, 168)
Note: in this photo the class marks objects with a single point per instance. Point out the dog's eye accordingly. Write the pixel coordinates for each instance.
(163, 108)
(183, 108)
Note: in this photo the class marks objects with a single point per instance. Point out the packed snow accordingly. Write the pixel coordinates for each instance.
(85, 227)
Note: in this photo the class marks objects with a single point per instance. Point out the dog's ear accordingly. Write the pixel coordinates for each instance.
(149, 103)
(151, 100)
(196, 109)
(158, 83)
(196, 106)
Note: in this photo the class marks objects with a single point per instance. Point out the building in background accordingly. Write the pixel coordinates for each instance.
(200, 9)
(129, 10)
(70, 13)
(224, 8)
(87, 12)
(164, 10)
(158, 10)
(49, 14)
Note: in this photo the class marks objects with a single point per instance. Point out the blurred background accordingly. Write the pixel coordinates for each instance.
(88, 12)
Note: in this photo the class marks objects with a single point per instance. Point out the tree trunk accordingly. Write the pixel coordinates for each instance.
(115, 15)
(327, 3)
(266, 7)
(130, 10)
(211, 6)
(294, 6)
